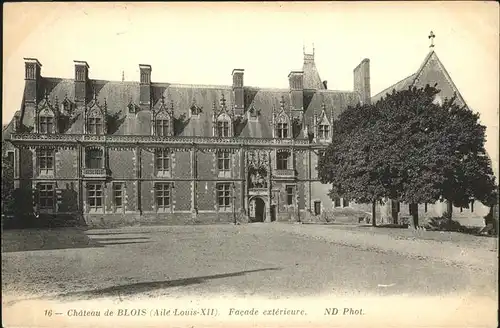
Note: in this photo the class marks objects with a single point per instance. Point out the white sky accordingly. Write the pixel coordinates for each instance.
(201, 43)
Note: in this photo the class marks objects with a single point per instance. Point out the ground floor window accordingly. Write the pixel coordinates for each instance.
(317, 208)
(162, 195)
(118, 196)
(224, 196)
(290, 195)
(345, 202)
(95, 197)
(337, 202)
(46, 195)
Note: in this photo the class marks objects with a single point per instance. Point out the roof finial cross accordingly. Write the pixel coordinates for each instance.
(432, 36)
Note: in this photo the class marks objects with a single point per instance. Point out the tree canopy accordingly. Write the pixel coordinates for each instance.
(410, 148)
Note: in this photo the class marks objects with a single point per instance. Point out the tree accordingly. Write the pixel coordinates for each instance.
(7, 185)
(351, 162)
(409, 148)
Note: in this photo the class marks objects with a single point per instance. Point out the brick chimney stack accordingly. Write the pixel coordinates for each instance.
(362, 81)
(81, 82)
(32, 78)
(145, 86)
(238, 91)
(296, 81)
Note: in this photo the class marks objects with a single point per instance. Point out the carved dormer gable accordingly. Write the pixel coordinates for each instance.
(95, 116)
(222, 119)
(282, 127)
(46, 116)
(162, 118)
(322, 124)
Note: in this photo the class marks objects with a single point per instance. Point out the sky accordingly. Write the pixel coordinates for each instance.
(201, 43)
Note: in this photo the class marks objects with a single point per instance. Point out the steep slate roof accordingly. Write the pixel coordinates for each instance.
(118, 95)
(431, 71)
(311, 75)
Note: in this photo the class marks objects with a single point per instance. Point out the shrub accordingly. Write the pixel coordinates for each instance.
(442, 223)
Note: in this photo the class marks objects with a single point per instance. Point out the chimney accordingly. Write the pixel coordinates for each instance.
(296, 80)
(145, 86)
(325, 84)
(32, 78)
(81, 81)
(362, 81)
(239, 94)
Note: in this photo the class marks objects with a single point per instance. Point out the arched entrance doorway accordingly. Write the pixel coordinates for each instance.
(260, 210)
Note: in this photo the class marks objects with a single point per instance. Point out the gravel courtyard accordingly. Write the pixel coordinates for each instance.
(270, 260)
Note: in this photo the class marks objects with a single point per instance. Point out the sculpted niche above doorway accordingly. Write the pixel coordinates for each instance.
(258, 169)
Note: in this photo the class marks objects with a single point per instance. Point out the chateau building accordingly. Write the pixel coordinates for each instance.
(119, 152)
(125, 152)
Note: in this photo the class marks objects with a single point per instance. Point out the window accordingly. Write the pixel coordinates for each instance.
(425, 207)
(223, 129)
(94, 159)
(162, 127)
(472, 206)
(118, 196)
(336, 202)
(289, 195)
(46, 195)
(346, 202)
(95, 125)
(282, 130)
(162, 193)
(46, 124)
(324, 132)
(223, 158)
(45, 161)
(317, 208)
(224, 196)
(162, 161)
(95, 196)
(282, 161)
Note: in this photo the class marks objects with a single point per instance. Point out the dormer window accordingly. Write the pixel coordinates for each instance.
(46, 124)
(324, 132)
(282, 130)
(223, 129)
(162, 127)
(95, 117)
(222, 123)
(162, 118)
(95, 125)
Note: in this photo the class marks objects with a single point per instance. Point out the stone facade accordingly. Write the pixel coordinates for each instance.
(121, 153)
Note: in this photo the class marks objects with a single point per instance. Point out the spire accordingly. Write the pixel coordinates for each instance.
(282, 103)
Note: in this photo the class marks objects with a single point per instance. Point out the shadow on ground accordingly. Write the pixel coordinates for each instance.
(60, 238)
(141, 287)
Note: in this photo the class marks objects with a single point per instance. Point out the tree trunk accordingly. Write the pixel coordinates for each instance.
(374, 213)
(449, 210)
(414, 214)
(394, 211)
